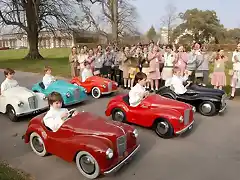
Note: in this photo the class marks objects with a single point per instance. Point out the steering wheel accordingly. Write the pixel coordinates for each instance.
(70, 113)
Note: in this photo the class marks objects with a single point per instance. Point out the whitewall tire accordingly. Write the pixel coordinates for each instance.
(37, 145)
(96, 92)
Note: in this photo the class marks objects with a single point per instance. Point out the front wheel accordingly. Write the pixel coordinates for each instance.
(163, 129)
(207, 108)
(96, 92)
(118, 115)
(37, 144)
(11, 113)
(87, 165)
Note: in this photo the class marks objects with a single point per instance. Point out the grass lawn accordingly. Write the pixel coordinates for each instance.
(57, 58)
(8, 173)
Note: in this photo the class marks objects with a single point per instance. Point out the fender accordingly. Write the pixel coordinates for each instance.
(114, 105)
(36, 88)
(33, 128)
(95, 145)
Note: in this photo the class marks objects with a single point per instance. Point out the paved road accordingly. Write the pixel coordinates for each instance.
(211, 151)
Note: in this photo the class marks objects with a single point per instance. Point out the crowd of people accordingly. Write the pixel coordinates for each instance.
(157, 62)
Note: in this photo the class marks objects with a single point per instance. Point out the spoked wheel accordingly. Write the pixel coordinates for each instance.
(207, 108)
(118, 115)
(37, 144)
(87, 165)
(11, 113)
(96, 92)
(164, 129)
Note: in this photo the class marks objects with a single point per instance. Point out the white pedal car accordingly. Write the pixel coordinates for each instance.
(20, 101)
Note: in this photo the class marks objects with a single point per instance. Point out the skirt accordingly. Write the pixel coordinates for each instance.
(218, 79)
(133, 72)
(235, 82)
(154, 75)
(167, 73)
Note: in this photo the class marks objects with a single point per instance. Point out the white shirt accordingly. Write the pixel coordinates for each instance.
(136, 95)
(168, 59)
(7, 84)
(53, 118)
(236, 65)
(86, 73)
(177, 84)
(47, 80)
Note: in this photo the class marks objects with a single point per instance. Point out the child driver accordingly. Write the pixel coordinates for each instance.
(138, 92)
(56, 116)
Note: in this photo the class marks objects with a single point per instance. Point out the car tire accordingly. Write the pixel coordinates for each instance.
(207, 108)
(118, 115)
(11, 113)
(37, 144)
(163, 128)
(96, 92)
(85, 158)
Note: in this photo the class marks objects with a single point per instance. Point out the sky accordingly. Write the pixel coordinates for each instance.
(151, 11)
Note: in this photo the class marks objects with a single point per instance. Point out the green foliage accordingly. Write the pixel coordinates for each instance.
(151, 34)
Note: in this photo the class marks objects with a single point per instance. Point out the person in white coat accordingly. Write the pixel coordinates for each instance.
(9, 82)
(87, 71)
(138, 92)
(48, 78)
(57, 115)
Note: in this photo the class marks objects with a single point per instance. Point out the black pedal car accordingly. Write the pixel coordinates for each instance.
(207, 101)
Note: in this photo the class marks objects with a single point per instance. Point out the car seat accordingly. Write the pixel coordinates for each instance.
(126, 99)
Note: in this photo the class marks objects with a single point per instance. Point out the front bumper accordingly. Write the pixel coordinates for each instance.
(123, 162)
(185, 129)
(223, 108)
(35, 111)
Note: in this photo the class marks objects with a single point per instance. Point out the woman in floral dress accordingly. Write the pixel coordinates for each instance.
(181, 59)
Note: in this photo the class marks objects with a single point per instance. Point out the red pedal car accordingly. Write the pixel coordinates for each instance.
(96, 86)
(167, 117)
(96, 145)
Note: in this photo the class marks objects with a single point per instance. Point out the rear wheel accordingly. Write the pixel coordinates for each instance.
(207, 108)
(11, 113)
(163, 129)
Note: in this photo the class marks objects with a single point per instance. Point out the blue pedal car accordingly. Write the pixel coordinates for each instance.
(71, 94)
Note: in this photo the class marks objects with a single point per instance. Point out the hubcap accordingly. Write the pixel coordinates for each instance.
(162, 127)
(95, 92)
(206, 108)
(119, 116)
(38, 144)
(87, 164)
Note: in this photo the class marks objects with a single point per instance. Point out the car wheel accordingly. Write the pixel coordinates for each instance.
(75, 84)
(118, 115)
(207, 108)
(96, 92)
(11, 113)
(164, 129)
(87, 165)
(37, 145)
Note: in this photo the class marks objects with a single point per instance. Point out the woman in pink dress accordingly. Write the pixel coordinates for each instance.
(218, 76)
(155, 58)
(181, 59)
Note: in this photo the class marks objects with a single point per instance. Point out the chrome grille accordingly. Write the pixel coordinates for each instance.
(121, 145)
(32, 102)
(186, 116)
(76, 93)
(224, 97)
(110, 86)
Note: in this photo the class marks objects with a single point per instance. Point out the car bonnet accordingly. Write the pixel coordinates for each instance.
(19, 92)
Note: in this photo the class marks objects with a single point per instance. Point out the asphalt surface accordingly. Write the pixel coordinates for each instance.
(210, 151)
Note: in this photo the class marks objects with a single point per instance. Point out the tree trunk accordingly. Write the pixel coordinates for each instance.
(32, 31)
(33, 46)
(115, 21)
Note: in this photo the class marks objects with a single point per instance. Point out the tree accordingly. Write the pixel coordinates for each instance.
(32, 16)
(169, 20)
(202, 25)
(120, 14)
(151, 34)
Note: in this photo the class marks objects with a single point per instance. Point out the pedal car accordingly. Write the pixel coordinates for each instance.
(20, 101)
(96, 86)
(96, 145)
(207, 101)
(71, 94)
(167, 117)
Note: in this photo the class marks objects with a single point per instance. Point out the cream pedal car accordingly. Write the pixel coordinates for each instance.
(20, 101)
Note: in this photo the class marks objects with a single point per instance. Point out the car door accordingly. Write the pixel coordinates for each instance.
(59, 141)
(141, 115)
